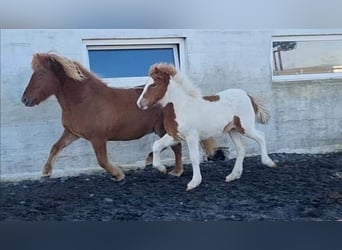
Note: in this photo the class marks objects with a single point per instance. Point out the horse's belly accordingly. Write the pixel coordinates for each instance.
(205, 128)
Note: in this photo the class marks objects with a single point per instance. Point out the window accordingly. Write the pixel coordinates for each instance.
(126, 62)
(306, 57)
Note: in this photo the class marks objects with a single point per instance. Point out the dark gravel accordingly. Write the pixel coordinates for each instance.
(303, 187)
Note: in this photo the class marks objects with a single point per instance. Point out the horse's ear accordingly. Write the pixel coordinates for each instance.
(154, 70)
(37, 61)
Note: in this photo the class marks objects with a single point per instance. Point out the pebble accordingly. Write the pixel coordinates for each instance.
(91, 195)
(108, 200)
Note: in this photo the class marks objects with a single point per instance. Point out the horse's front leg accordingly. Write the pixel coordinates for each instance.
(100, 149)
(157, 147)
(66, 139)
(193, 145)
(179, 169)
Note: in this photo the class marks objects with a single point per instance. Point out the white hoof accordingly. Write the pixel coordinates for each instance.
(273, 165)
(161, 168)
(232, 177)
(193, 184)
(269, 163)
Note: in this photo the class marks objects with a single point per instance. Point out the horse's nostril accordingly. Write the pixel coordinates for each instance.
(24, 99)
(142, 104)
(27, 101)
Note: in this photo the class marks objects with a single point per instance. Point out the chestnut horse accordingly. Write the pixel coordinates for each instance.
(190, 117)
(94, 111)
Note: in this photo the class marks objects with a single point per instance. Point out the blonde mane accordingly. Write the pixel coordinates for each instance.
(72, 69)
(165, 68)
(188, 86)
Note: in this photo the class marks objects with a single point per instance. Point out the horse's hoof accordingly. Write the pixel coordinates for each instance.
(193, 184)
(189, 188)
(161, 169)
(148, 165)
(231, 178)
(44, 178)
(218, 156)
(121, 182)
(175, 173)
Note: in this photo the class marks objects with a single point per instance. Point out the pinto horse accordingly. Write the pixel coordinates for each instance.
(190, 117)
(94, 111)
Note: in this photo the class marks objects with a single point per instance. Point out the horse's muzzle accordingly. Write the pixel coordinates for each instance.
(142, 104)
(28, 102)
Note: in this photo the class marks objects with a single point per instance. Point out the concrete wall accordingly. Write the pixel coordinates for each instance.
(306, 116)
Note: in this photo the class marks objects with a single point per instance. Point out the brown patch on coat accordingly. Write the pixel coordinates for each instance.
(170, 124)
(211, 98)
(234, 124)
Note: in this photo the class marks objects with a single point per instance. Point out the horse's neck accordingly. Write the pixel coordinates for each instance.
(70, 93)
(179, 97)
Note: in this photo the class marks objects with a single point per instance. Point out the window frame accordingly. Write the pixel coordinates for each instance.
(303, 38)
(176, 43)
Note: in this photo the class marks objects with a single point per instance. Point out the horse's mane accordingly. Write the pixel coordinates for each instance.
(72, 69)
(188, 86)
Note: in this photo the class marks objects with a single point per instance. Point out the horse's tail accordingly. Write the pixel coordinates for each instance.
(212, 150)
(262, 114)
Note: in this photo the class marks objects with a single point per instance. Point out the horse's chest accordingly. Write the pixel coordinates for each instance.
(170, 123)
(74, 124)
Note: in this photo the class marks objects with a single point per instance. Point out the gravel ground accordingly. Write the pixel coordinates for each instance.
(303, 187)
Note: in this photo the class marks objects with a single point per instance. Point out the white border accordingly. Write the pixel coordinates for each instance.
(301, 38)
(177, 44)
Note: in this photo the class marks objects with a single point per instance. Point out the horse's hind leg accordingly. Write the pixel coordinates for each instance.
(66, 139)
(100, 149)
(259, 137)
(241, 152)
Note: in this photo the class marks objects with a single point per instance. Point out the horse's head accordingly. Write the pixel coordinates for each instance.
(43, 82)
(156, 86)
(48, 71)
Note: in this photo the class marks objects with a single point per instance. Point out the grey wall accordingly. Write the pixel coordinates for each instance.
(306, 115)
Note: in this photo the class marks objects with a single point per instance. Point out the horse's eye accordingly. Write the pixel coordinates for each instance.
(153, 85)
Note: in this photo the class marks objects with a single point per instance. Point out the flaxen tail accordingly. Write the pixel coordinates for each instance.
(261, 113)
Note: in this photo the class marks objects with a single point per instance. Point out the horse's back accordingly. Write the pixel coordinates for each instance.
(238, 101)
(232, 93)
